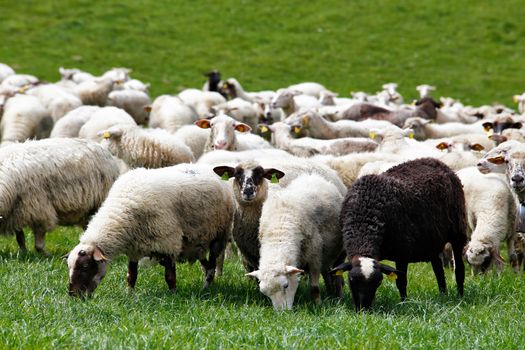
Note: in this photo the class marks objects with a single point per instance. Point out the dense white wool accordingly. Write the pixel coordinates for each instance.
(425, 129)
(177, 211)
(70, 124)
(265, 95)
(194, 137)
(117, 74)
(132, 101)
(25, 117)
(367, 266)
(74, 75)
(241, 110)
(53, 181)
(201, 101)
(102, 119)
(140, 147)
(171, 113)
(5, 71)
(17, 81)
(94, 92)
(57, 100)
(291, 101)
(309, 88)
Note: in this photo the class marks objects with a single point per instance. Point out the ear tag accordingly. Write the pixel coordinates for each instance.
(339, 273)
(372, 135)
(264, 129)
(225, 177)
(305, 121)
(411, 135)
(274, 179)
(296, 129)
(106, 135)
(392, 276)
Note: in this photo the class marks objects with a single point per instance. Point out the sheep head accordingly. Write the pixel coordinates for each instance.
(279, 284)
(87, 266)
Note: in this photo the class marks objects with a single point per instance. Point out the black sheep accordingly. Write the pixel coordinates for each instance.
(406, 214)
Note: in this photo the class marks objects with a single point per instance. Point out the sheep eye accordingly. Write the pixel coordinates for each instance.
(285, 286)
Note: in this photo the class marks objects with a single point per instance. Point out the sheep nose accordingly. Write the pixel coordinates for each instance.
(517, 178)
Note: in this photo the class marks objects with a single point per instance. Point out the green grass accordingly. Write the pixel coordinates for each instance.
(36, 312)
(472, 50)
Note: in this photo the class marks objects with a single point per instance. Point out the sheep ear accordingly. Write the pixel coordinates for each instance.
(306, 120)
(496, 160)
(109, 133)
(292, 270)
(98, 255)
(517, 125)
(147, 108)
(241, 127)
(516, 98)
(477, 147)
(224, 171)
(253, 274)
(296, 129)
(442, 146)
(487, 126)
(203, 123)
(341, 268)
(389, 271)
(494, 253)
(273, 174)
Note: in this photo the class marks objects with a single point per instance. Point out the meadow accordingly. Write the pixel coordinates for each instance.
(471, 50)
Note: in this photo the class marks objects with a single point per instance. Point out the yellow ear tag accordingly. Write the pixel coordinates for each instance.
(372, 135)
(297, 129)
(274, 179)
(305, 121)
(225, 177)
(106, 135)
(264, 129)
(411, 135)
(392, 276)
(339, 273)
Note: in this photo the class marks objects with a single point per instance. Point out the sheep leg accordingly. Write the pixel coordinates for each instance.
(216, 249)
(437, 266)
(220, 263)
(511, 250)
(21, 240)
(40, 241)
(459, 269)
(132, 274)
(170, 273)
(314, 286)
(401, 281)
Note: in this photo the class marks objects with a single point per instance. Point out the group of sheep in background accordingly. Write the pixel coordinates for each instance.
(300, 180)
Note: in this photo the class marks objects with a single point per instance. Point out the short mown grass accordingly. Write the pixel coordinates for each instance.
(469, 49)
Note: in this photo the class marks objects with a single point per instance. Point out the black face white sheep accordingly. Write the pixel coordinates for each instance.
(406, 214)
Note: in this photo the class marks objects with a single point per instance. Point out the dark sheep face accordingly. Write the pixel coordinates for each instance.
(87, 267)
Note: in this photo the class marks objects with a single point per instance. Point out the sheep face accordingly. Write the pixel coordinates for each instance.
(249, 184)
(279, 285)
(284, 98)
(515, 173)
(222, 135)
(87, 266)
(418, 126)
(480, 255)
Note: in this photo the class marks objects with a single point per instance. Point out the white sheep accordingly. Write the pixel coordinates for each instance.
(424, 90)
(307, 146)
(118, 74)
(132, 101)
(299, 230)
(425, 129)
(25, 117)
(57, 100)
(201, 101)
(291, 101)
(5, 71)
(104, 118)
(75, 75)
(172, 214)
(95, 92)
(137, 85)
(52, 182)
(308, 88)
(15, 82)
(491, 211)
(234, 89)
(70, 124)
(519, 99)
(139, 147)
(241, 110)
(194, 137)
(171, 113)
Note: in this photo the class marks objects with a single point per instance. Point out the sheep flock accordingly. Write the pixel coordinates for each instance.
(301, 181)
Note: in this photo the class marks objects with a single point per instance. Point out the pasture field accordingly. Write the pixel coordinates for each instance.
(471, 50)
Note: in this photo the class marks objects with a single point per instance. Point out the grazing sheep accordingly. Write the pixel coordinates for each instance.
(307, 146)
(132, 101)
(491, 211)
(223, 137)
(104, 118)
(299, 231)
(52, 182)
(139, 147)
(171, 113)
(173, 214)
(406, 214)
(70, 124)
(5, 71)
(57, 100)
(24, 118)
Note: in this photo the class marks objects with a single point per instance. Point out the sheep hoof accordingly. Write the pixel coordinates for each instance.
(43, 252)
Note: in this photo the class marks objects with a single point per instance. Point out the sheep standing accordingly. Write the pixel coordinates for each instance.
(139, 147)
(52, 182)
(406, 214)
(174, 214)
(299, 230)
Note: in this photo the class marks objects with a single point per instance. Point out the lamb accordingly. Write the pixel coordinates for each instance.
(171, 113)
(306, 146)
(491, 214)
(133, 102)
(70, 124)
(425, 129)
(5, 71)
(57, 100)
(104, 118)
(291, 101)
(299, 230)
(173, 214)
(406, 214)
(139, 147)
(312, 124)
(222, 135)
(24, 118)
(52, 182)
